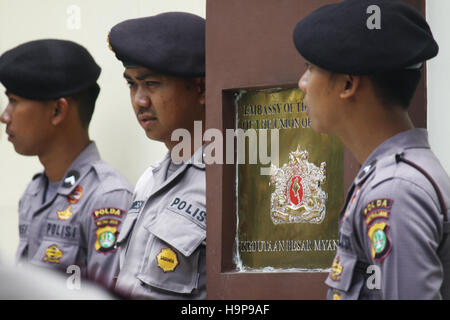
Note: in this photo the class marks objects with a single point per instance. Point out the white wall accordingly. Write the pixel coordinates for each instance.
(438, 81)
(118, 135)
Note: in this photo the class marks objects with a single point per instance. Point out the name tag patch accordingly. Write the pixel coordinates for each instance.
(344, 241)
(186, 207)
(23, 229)
(63, 231)
(137, 205)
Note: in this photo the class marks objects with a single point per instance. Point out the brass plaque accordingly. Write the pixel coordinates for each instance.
(287, 219)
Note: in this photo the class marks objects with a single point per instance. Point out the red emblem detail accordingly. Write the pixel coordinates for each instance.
(75, 195)
(295, 190)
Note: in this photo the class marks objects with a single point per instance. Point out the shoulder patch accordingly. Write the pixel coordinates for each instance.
(380, 242)
(107, 221)
(110, 212)
(106, 238)
(379, 208)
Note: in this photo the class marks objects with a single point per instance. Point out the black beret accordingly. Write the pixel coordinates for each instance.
(337, 37)
(171, 43)
(47, 69)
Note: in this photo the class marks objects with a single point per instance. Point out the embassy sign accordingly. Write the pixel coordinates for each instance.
(291, 211)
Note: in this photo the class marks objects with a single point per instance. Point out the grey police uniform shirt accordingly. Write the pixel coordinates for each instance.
(162, 243)
(393, 238)
(80, 223)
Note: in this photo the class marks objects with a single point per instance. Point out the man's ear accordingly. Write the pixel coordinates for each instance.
(60, 110)
(352, 84)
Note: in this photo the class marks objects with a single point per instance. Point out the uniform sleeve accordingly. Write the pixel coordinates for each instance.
(102, 227)
(402, 229)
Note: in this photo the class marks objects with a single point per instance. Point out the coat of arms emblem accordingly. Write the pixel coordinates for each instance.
(298, 196)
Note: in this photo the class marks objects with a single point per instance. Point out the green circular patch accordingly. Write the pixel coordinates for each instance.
(379, 241)
(107, 239)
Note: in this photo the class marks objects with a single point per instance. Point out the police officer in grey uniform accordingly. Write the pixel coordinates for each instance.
(364, 61)
(71, 213)
(162, 243)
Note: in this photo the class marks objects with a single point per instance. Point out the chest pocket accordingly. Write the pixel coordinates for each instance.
(59, 246)
(173, 252)
(344, 280)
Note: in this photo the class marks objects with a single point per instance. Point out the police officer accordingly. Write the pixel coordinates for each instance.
(364, 61)
(162, 242)
(70, 214)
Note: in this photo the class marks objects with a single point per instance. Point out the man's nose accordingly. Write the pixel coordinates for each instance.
(303, 81)
(5, 117)
(141, 98)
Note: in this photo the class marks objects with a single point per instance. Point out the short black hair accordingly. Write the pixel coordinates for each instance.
(86, 103)
(396, 88)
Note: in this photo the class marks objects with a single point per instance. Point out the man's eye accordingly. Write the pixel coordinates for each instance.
(151, 83)
(12, 100)
(130, 83)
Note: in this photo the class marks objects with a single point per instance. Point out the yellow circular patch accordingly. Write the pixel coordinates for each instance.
(53, 254)
(167, 260)
(336, 295)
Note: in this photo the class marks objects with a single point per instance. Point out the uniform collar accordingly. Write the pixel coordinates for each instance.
(73, 175)
(79, 168)
(197, 160)
(163, 164)
(159, 171)
(414, 138)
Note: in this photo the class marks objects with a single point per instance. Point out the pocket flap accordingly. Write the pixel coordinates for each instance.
(59, 254)
(178, 231)
(183, 278)
(342, 269)
(127, 226)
